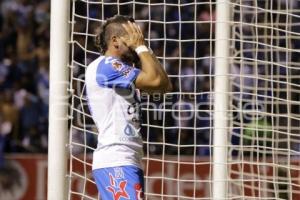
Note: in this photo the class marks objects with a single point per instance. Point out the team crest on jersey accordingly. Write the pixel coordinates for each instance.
(119, 67)
(117, 188)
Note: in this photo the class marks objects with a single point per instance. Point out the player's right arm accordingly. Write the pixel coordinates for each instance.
(152, 76)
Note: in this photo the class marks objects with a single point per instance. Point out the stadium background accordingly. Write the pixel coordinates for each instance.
(24, 86)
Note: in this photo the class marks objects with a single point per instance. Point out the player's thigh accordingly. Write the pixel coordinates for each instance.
(118, 183)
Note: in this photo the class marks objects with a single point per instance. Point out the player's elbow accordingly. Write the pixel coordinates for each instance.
(160, 84)
(170, 87)
(155, 83)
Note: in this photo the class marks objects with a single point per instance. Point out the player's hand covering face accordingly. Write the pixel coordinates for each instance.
(132, 40)
(134, 37)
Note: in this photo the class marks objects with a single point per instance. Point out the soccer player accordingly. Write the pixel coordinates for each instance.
(111, 82)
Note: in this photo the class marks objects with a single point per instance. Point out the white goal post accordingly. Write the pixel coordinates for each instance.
(228, 130)
(58, 100)
(221, 98)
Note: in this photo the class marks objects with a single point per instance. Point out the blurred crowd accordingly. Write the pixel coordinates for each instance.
(186, 54)
(24, 75)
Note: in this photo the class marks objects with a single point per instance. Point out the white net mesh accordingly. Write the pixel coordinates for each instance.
(263, 132)
(265, 100)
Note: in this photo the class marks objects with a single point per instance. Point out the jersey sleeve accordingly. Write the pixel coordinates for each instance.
(113, 73)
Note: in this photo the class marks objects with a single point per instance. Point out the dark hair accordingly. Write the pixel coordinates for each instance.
(108, 28)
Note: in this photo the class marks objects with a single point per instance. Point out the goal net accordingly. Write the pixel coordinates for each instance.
(264, 100)
(263, 113)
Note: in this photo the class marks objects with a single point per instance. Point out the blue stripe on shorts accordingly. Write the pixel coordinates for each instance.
(120, 183)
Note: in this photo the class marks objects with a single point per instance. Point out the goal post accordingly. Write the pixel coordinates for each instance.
(221, 99)
(58, 100)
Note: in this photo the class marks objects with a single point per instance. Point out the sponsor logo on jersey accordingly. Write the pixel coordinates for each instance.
(117, 188)
(129, 130)
(127, 71)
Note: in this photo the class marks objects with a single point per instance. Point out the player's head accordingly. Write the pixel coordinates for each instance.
(109, 38)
